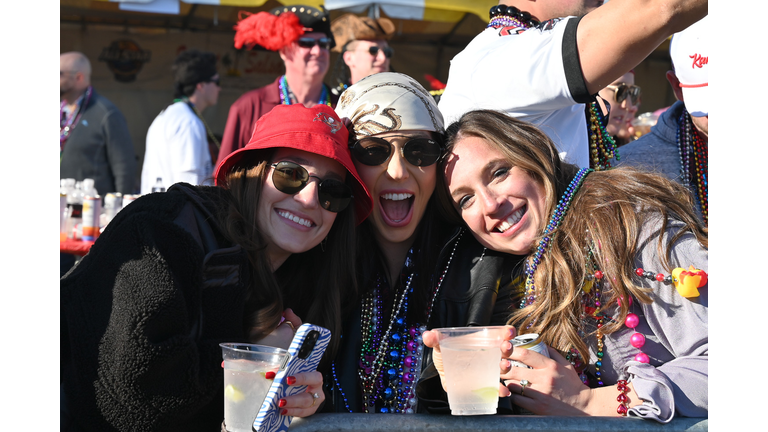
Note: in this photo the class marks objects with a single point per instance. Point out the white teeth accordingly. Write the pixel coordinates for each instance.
(396, 197)
(295, 218)
(511, 220)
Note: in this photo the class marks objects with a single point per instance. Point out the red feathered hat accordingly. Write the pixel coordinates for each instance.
(280, 27)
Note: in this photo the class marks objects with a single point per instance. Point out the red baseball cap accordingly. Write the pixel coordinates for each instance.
(315, 130)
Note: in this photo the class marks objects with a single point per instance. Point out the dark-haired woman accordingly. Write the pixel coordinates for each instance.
(615, 269)
(177, 273)
(415, 271)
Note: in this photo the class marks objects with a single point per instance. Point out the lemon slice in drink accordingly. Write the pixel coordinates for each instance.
(487, 394)
(233, 393)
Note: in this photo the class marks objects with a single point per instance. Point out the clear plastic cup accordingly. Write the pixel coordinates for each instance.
(245, 384)
(471, 357)
(643, 123)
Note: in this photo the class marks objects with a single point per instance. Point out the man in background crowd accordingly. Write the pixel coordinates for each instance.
(678, 145)
(177, 140)
(94, 138)
(304, 45)
(543, 62)
(362, 44)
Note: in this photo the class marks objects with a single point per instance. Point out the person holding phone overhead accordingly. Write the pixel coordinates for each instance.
(616, 266)
(176, 273)
(415, 271)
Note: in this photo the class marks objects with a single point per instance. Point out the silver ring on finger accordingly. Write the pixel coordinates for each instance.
(315, 397)
(524, 383)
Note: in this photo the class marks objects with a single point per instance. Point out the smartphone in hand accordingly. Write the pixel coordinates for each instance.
(305, 352)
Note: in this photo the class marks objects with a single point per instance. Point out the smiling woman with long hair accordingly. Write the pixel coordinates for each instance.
(176, 273)
(616, 265)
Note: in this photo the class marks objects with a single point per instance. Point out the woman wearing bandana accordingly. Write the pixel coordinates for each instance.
(415, 271)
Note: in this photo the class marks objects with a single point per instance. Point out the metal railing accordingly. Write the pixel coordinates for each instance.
(506, 423)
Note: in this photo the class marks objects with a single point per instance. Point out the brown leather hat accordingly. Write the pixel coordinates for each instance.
(350, 27)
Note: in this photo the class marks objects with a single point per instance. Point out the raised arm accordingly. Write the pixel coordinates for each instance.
(617, 36)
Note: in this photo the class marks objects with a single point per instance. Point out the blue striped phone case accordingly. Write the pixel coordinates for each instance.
(306, 349)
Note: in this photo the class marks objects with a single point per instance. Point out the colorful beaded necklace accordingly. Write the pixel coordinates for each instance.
(693, 161)
(557, 217)
(602, 146)
(68, 123)
(510, 16)
(391, 359)
(288, 98)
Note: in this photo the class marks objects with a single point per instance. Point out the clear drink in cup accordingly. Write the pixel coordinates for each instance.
(245, 384)
(471, 357)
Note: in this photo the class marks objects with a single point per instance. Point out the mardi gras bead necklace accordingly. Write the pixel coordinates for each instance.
(693, 161)
(390, 363)
(71, 120)
(288, 98)
(510, 16)
(557, 217)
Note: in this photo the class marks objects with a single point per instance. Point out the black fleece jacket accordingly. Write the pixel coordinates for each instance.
(142, 316)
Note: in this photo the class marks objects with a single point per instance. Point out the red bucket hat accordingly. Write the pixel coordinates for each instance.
(315, 130)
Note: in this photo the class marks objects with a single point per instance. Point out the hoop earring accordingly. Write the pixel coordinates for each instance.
(322, 244)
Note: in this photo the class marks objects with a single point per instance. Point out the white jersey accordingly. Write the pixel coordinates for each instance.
(176, 149)
(533, 75)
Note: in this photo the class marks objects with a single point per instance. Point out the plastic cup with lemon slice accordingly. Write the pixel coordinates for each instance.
(471, 357)
(245, 383)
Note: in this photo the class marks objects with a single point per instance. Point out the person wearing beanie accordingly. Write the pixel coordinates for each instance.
(362, 44)
(302, 35)
(177, 273)
(678, 145)
(178, 145)
(427, 272)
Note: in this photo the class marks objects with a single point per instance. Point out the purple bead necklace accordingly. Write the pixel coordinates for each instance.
(390, 363)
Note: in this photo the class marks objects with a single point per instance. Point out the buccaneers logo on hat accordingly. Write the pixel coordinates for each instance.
(330, 121)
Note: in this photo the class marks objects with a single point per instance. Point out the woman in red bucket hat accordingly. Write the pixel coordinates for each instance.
(178, 272)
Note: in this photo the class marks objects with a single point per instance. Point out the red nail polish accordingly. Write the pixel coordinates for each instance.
(291, 380)
(281, 403)
(269, 375)
(284, 412)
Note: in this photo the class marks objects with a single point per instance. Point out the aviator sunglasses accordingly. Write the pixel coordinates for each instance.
(622, 91)
(290, 178)
(373, 50)
(374, 151)
(308, 42)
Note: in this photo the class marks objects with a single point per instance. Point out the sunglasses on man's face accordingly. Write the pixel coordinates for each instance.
(374, 51)
(216, 81)
(290, 178)
(374, 151)
(309, 43)
(622, 91)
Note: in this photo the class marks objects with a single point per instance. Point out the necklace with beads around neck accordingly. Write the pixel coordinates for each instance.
(390, 360)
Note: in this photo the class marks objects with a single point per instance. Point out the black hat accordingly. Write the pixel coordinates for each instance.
(311, 18)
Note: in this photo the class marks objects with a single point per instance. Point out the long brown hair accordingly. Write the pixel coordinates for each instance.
(321, 280)
(608, 211)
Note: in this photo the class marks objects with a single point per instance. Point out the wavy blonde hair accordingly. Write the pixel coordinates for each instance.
(608, 211)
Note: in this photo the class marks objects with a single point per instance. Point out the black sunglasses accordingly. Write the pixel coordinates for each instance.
(308, 42)
(622, 91)
(216, 81)
(290, 178)
(374, 151)
(374, 51)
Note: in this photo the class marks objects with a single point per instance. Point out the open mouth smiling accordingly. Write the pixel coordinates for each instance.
(511, 220)
(293, 218)
(396, 206)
